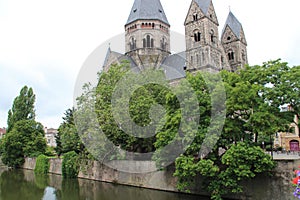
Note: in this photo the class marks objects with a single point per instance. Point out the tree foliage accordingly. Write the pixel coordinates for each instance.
(26, 139)
(67, 138)
(70, 165)
(42, 165)
(22, 109)
(254, 98)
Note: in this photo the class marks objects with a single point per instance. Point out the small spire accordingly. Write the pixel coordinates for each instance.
(229, 8)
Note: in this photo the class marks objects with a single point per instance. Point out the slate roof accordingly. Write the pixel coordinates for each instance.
(147, 9)
(173, 66)
(203, 5)
(233, 24)
(117, 56)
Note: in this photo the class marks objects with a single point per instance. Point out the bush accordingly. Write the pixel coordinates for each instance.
(50, 151)
(42, 165)
(70, 166)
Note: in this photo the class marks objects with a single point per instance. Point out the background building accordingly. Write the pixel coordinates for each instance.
(50, 136)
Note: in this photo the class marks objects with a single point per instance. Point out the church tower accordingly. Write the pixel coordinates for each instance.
(203, 48)
(234, 42)
(147, 36)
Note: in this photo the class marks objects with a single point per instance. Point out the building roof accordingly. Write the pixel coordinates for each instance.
(173, 66)
(233, 24)
(203, 5)
(2, 131)
(147, 9)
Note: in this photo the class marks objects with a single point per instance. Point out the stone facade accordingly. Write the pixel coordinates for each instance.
(147, 42)
(289, 141)
(274, 187)
(50, 134)
(147, 39)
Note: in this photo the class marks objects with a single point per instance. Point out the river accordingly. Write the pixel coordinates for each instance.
(24, 185)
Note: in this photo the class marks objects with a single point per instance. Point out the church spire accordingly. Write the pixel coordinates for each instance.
(147, 10)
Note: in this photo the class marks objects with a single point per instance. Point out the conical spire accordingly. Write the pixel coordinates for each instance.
(204, 5)
(233, 24)
(147, 9)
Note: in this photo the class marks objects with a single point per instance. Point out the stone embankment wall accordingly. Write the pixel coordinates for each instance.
(262, 187)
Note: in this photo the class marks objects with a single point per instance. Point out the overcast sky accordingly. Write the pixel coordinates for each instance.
(43, 43)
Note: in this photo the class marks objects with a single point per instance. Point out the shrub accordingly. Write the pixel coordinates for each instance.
(42, 165)
(70, 166)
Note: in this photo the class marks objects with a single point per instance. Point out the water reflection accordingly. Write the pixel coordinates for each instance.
(23, 184)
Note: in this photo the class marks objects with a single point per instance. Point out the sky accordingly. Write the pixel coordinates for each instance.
(44, 43)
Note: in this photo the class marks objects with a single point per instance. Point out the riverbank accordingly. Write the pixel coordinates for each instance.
(262, 187)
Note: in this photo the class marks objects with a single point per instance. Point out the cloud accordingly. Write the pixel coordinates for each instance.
(44, 43)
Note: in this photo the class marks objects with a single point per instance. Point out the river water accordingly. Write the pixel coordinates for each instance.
(24, 185)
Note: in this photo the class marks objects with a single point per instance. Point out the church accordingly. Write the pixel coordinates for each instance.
(147, 41)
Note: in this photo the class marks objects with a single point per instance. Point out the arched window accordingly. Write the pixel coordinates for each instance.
(197, 36)
(148, 42)
(231, 55)
(212, 36)
(195, 17)
(164, 44)
(132, 44)
(153, 25)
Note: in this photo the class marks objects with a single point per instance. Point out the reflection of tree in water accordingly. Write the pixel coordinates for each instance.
(13, 186)
(69, 190)
(17, 185)
(98, 190)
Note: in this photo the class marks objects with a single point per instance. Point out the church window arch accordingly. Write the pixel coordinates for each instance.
(231, 55)
(195, 16)
(212, 36)
(164, 43)
(197, 36)
(148, 41)
(132, 43)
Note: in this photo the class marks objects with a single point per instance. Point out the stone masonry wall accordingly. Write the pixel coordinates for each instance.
(262, 187)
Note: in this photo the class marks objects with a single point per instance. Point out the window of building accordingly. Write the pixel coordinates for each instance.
(228, 38)
(148, 42)
(192, 60)
(231, 55)
(195, 17)
(164, 44)
(212, 36)
(132, 44)
(197, 36)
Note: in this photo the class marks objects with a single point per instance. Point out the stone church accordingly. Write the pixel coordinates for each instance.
(147, 40)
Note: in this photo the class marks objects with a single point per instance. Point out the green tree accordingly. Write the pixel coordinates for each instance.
(140, 103)
(67, 138)
(22, 109)
(26, 139)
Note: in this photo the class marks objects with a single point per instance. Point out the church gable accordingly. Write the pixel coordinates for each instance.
(194, 13)
(228, 36)
(211, 14)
